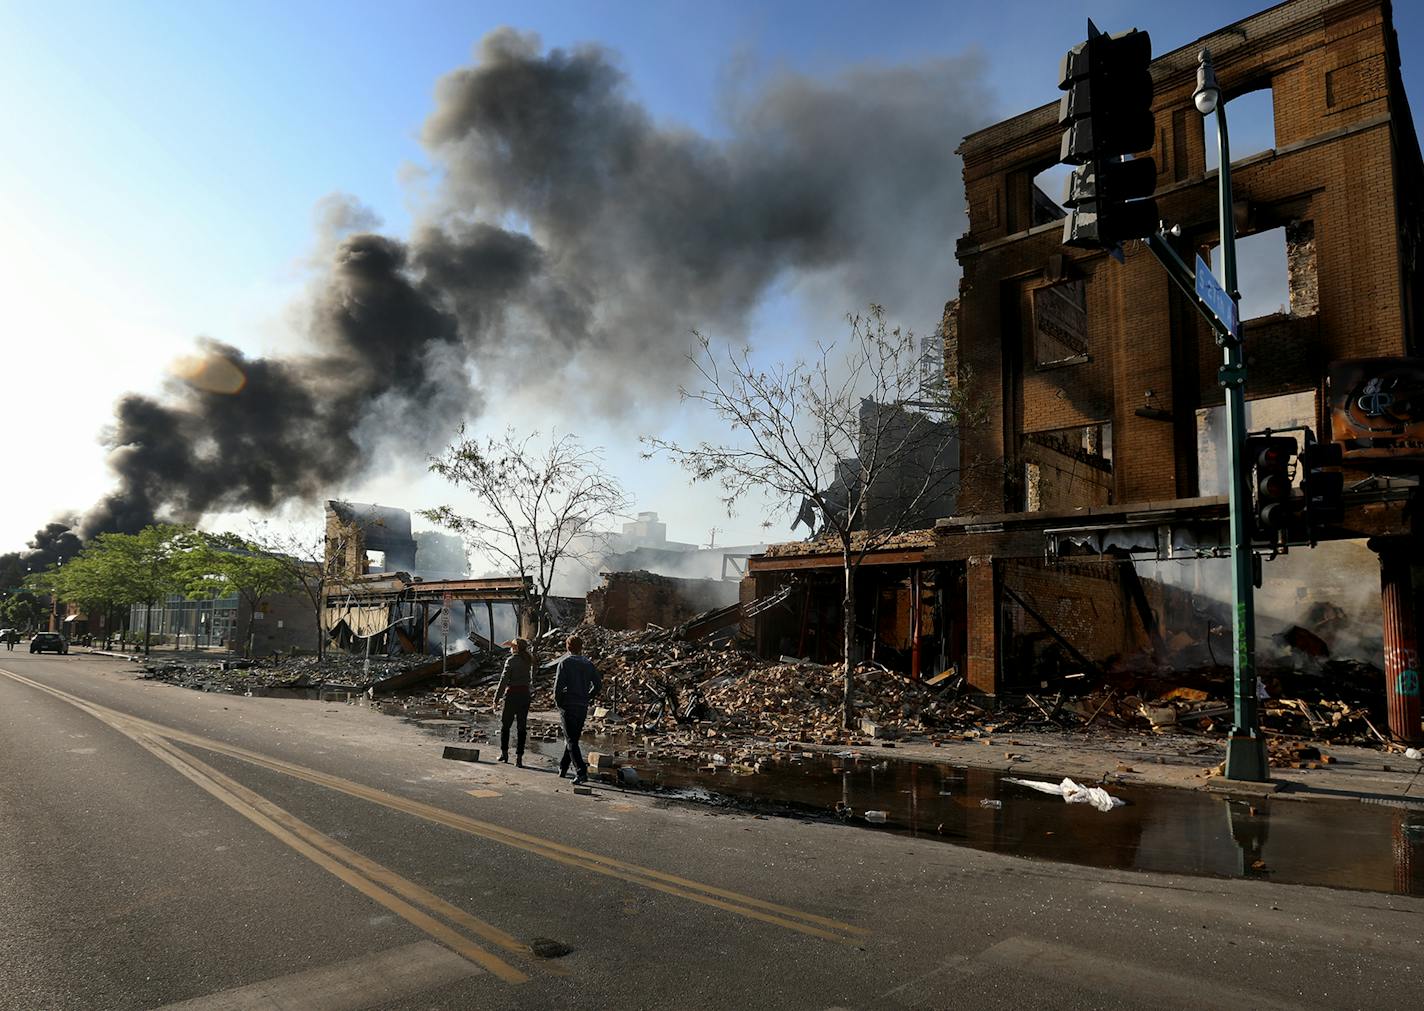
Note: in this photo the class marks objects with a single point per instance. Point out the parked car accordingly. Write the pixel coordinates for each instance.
(49, 642)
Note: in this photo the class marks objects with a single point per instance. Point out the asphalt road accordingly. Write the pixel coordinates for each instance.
(161, 846)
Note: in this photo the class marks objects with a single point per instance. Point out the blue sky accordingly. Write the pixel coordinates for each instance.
(164, 160)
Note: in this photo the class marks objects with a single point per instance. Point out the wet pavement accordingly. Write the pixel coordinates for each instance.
(1372, 847)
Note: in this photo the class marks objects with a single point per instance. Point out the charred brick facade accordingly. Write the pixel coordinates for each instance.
(1061, 347)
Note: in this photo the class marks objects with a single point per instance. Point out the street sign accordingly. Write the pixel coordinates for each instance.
(445, 612)
(1210, 291)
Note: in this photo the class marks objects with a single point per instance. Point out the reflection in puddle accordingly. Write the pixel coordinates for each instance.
(1333, 843)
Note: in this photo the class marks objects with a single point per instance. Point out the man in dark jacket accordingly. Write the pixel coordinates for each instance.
(514, 688)
(576, 684)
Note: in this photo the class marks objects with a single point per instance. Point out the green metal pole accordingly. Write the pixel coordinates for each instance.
(1245, 747)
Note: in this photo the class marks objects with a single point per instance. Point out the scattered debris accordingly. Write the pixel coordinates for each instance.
(1073, 793)
(547, 947)
(461, 754)
(715, 693)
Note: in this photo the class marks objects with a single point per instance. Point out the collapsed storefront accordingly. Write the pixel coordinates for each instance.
(1092, 533)
(391, 612)
(909, 609)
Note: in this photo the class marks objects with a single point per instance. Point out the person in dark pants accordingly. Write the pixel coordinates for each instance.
(514, 687)
(576, 684)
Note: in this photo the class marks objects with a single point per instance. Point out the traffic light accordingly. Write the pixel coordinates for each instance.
(1270, 458)
(1324, 489)
(1106, 114)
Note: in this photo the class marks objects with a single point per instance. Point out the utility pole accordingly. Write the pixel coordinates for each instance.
(1107, 118)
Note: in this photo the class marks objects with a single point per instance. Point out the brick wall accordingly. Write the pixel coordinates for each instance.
(981, 625)
(286, 621)
(1083, 602)
(634, 600)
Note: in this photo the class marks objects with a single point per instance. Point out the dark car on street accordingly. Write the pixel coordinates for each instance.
(48, 642)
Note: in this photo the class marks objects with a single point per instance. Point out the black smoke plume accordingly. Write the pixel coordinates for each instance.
(573, 237)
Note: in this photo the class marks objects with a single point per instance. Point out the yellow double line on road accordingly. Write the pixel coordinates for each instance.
(730, 901)
(402, 897)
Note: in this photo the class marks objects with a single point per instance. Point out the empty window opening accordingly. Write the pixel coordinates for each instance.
(1287, 411)
(375, 561)
(1068, 468)
(1047, 194)
(1060, 323)
(1262, 272)
(1251, 127)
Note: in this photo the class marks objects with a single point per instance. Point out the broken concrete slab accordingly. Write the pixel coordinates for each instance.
(424, 672)
(459, 754)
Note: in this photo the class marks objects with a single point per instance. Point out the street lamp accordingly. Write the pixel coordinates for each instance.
(1208, 93)
(1245, 747)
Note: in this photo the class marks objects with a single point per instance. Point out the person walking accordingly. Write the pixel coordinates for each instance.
(576, 684)
(514, 687)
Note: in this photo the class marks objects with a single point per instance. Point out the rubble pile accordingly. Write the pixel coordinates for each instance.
(660, 686)
(711, 693)
(334, 671)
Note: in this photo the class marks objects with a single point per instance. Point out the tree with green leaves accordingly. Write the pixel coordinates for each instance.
(861, 440)
(220, 564)
(114, 570)
(21, 611)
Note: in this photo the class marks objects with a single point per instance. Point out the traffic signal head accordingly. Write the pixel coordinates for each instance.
(1106, 113)
(1270, 458)
(1324, 489)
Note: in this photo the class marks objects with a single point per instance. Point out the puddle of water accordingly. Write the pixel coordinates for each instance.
(1336, 844)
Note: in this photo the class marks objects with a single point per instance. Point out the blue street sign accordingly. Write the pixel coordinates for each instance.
(1210, 291)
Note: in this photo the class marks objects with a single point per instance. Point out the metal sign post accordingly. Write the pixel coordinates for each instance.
(445, 602)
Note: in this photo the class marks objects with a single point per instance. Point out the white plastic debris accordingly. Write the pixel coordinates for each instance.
(875, 817)
(1414, 753)
(1074, 793)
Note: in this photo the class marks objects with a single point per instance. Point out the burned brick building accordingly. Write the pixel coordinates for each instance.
(1091, 524)
(359, 536)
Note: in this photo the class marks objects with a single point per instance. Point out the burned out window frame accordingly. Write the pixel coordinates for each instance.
(1075, 357)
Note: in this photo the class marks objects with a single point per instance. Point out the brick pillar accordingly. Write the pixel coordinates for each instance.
(1401, 640)
(981, 610)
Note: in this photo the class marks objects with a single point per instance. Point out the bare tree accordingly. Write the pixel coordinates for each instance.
(855, 440)
(537, 502)
(301, 555)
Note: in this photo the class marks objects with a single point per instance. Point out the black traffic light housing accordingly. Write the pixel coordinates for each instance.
(1324, 489)
(1270, 459)
(1107, 113)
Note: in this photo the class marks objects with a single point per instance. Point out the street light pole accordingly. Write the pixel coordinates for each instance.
(1245, 747)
